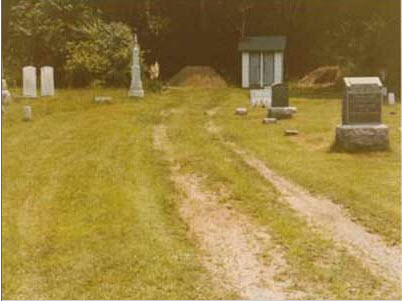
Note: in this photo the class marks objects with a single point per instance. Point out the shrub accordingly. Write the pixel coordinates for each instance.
(104, 55)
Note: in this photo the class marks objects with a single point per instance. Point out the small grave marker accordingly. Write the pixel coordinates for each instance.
(269, 120)
(291, 132)
(27, 113)
(103, 99)
(261, 97)
(241, 111)
(391, 99)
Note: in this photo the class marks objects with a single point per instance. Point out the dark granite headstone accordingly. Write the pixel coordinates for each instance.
(280, 95)
(362, 101)
(361, 128)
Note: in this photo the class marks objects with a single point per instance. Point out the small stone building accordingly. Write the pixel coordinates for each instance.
(262, 60)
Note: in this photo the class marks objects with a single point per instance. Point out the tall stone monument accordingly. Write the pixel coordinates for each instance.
(136, 83)
(29, 81)
(47, 81)
(362, 127)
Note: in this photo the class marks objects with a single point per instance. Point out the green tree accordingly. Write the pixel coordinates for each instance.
(104, 55)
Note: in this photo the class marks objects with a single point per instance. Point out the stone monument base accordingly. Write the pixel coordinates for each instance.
(370, 137)
(136, 93)
(281, 112)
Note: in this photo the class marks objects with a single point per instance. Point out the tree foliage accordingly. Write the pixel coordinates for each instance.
(104, 54)
(361, 36)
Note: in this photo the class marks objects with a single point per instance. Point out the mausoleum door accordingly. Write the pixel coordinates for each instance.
(268, 69)
(255, 69)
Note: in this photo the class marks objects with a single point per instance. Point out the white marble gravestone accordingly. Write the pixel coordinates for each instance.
(261, 97)
(47, 81)
(29, 81)
(136, 83)
(391, 98)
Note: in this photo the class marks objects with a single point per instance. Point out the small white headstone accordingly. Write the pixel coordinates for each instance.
(29, 81)
(261, 97)
(47, 81)
(27, 113)
(384, 91)
(5, 94)
(391, 98)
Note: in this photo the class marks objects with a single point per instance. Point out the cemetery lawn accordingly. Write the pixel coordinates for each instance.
(89, 209)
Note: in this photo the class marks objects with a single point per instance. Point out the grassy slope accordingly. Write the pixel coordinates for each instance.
(366, 184)
(88, 208)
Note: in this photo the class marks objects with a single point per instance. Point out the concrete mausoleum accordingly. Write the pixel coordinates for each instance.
(262, 60)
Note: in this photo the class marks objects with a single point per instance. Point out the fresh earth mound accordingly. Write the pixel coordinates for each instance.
(198, 76)
(322, 76)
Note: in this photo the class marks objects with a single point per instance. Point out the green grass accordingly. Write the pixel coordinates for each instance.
(88, 208)
(89, 211)
(317, 264)
(367, 184)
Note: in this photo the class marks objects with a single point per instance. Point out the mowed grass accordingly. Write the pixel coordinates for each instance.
(316, 264)
(366, 184)
(89, 211)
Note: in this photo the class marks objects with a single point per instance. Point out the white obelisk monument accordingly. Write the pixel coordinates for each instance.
(136, 83)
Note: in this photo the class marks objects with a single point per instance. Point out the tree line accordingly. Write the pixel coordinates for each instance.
(90, 40)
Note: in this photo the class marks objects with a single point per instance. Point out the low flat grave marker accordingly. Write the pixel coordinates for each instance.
(241, 111)
(362, 127)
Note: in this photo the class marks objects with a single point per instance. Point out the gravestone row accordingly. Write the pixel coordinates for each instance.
(29, 81)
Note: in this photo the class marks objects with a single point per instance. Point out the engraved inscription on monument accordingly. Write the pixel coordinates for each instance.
(361, 127)
(361, 103)
(280, 95)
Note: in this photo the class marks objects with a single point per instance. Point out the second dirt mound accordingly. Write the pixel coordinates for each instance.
(198, 76)
(323, 76)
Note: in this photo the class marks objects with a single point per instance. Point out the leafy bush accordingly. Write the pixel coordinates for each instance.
(104, 55)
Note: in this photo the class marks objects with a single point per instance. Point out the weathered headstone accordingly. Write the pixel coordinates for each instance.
(261, 97)
(103, 99)
(47, 81)
(136, 82)
(269, 120)
(280, 95)
(29, 81)
(361, 127)
(5, 94)
(280, 108)
(27, 113)
(391, 98)
(291, 132)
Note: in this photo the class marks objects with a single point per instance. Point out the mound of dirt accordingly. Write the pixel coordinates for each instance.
(322, 76)
(198, 76)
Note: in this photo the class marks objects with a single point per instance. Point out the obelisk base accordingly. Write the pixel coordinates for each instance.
(136, 93)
